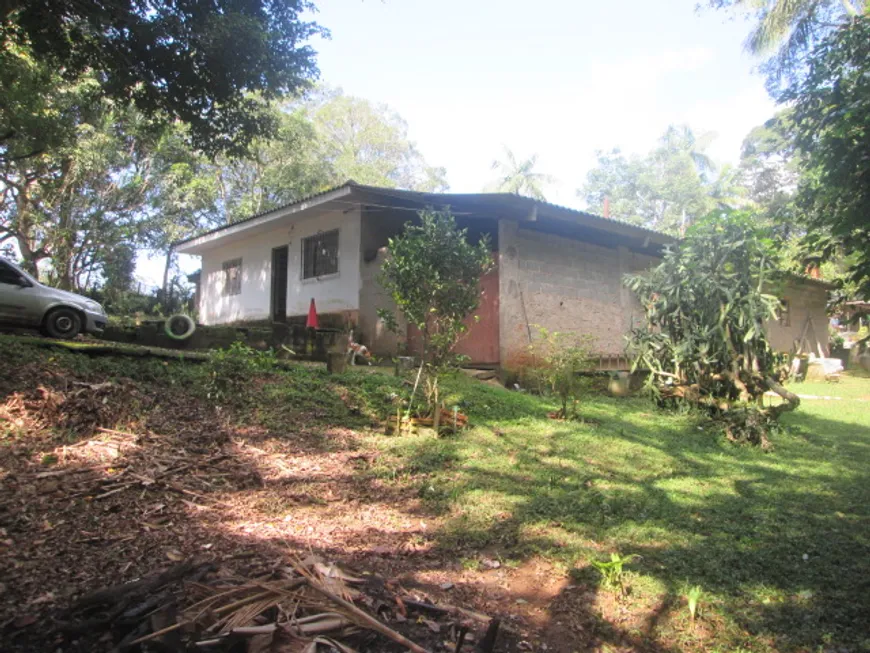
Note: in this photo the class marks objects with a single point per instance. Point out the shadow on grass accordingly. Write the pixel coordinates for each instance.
(779, 542)
(736, 521)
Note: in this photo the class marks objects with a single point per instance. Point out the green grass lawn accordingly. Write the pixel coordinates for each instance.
(779, 541)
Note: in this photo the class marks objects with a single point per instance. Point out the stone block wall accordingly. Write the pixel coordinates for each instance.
(565, 285)
(807, 321)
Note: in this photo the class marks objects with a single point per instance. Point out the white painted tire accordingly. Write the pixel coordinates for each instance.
(182, 321)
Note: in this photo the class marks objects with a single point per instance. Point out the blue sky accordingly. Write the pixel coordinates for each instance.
(556, 78)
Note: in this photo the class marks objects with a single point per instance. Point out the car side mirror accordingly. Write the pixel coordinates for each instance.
(24, 283)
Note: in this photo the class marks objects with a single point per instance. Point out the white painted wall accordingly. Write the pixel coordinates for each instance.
(337, 292)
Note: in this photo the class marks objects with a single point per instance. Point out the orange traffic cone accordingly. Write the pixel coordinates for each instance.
(312, 316)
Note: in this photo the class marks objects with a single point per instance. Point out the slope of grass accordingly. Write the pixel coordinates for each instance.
(779, 542)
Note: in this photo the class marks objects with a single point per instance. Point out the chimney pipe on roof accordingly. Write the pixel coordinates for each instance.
(606, 207)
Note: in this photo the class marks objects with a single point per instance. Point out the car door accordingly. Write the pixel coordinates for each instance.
(19, 303)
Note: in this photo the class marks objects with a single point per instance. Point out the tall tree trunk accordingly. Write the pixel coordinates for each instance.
(166, 267)
(64, 250)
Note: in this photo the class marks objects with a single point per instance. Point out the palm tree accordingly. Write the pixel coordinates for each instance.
(519, 177)
(681, 138)
(786, 29)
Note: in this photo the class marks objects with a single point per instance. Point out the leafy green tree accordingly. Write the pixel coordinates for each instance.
(770, 171)
(667, 189)
(519, 176)
(832, 124)
(787, 30)
(433, 275)
(321, 141)
(368, 142)
(704, 339)
(277, 170)
(83, 178)
(211, 64)
(78, 201)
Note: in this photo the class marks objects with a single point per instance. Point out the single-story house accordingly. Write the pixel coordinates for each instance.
(557, 268)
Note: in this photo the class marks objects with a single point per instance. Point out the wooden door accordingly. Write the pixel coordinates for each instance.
(280, 261)
(481, 342)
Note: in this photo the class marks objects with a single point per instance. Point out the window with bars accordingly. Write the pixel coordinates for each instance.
(320, 254)
(232, 277)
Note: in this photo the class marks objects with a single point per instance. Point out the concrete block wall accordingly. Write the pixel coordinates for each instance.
(564, 285)
(808, 319)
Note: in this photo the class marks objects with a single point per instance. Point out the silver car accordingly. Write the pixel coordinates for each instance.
(58, 313)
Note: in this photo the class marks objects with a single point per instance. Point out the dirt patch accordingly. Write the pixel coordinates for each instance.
(106, 482)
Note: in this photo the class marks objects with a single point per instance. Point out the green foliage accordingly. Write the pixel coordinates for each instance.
(80, 173)
(230, 372)
(705, 305)
(557, 362)
(519, 176)
(770, 171)
(433, 275)
(693, 601)
(367, 142)
(667, 189)
(204, 63)
(832, 119)
(786, 30)
(612, 570)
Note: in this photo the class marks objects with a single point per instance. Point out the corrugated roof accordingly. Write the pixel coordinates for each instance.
(509, 199)
(307, 198)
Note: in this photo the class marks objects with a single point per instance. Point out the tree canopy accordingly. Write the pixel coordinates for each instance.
(770, 171)
(666, 189)
(519, 176)
(832, 126)
(786, 31)
(103, 178)
(208, 63)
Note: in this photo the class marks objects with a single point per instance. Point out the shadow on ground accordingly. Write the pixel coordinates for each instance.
(779, 541)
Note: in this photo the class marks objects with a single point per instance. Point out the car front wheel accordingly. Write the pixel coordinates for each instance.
(63, 323)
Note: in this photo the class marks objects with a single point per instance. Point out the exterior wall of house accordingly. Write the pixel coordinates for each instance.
(563, 285)
(333, 293)
(376, 229)
(807, 320)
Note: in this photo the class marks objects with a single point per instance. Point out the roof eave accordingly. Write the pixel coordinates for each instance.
(191, 245)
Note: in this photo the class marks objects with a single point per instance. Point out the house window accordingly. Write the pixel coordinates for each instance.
(784, 313)
(232, 277)
(320, 255)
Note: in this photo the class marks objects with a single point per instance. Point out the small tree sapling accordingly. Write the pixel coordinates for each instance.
(432, 273)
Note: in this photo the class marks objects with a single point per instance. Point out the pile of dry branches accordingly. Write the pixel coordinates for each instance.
(304, 607)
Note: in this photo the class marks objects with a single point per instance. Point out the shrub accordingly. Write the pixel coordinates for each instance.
(433, 275)
(557, 363)
(230, 370)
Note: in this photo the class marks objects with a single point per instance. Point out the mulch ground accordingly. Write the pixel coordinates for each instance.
(85, 506)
